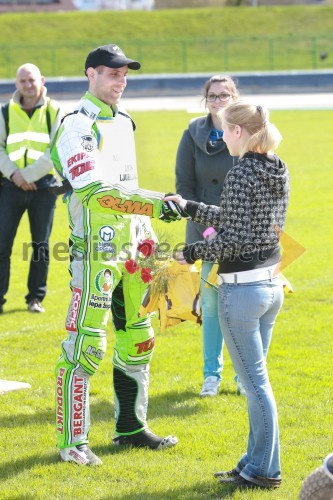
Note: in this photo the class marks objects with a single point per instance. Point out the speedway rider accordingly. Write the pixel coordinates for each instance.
(95, 152)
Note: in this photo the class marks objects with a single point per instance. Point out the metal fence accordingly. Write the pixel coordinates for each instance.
(230, 54)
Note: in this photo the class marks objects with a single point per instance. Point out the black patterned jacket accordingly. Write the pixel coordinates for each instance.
(250, 218)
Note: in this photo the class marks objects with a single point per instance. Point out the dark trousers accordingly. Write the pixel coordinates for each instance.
(40, 207)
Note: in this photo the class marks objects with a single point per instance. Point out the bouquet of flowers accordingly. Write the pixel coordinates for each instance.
(173, 289)
(146, 261)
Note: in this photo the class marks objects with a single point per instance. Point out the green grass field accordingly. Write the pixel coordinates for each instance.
(172, 40)
(212, 433)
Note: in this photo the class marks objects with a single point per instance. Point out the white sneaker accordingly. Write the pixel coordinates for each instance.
(210, 387)
(35, 306)
(80, 454)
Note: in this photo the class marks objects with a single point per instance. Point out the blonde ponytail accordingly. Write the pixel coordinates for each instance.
(264, 136)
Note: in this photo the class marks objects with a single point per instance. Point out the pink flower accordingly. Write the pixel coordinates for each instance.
(146, 274)
(147, 247)
(131, 266)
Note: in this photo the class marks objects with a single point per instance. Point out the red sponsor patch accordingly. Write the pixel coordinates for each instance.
(81, 168)
(77, 457)
(73, 311)
(78, 405)
(146, 346)
(76, 158)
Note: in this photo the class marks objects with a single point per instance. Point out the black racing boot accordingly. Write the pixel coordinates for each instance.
(146, 439)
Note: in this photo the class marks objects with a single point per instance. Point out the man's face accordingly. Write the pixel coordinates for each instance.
(29, 82)
(107, 84)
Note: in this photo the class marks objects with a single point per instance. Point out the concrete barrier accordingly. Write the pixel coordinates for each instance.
(191, 83)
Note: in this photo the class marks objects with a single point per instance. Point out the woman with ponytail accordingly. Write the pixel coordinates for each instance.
(249, 221)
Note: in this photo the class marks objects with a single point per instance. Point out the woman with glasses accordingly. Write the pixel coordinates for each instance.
(202, 163)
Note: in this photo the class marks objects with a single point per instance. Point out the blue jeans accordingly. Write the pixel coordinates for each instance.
(40, 207)
(211, 332)
(247, 315)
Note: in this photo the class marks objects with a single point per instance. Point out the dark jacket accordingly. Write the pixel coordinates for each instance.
(249, 219)
(201, 169)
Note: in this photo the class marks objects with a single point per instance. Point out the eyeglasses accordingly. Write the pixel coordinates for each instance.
(221, 97)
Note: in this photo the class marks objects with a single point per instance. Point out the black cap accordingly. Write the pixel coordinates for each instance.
(111, 56)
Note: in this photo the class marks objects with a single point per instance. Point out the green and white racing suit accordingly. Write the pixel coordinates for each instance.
(108, 212)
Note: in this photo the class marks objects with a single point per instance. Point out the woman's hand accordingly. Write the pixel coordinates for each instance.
(177, 198)
(179, 257)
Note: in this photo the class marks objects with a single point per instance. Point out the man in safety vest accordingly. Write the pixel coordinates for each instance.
(28, 123)
(95, 153)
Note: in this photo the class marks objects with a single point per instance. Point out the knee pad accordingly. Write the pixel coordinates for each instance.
(85, 350)
(133, 347)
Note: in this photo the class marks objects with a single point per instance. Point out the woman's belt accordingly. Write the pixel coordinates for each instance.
(267, 273)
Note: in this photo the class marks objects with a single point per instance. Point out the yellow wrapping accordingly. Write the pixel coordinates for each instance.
(179, 300)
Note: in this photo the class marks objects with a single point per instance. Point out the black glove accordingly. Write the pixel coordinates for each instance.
(169, 212)
(64, 188)
(176, 208)
(181, 211)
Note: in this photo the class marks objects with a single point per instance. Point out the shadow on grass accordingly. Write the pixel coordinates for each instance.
(15, 467)
(178, 405)
(170, 404)
(17, 310)
(198, 490)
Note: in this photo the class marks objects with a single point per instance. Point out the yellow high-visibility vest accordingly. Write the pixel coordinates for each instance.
(28, 138)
